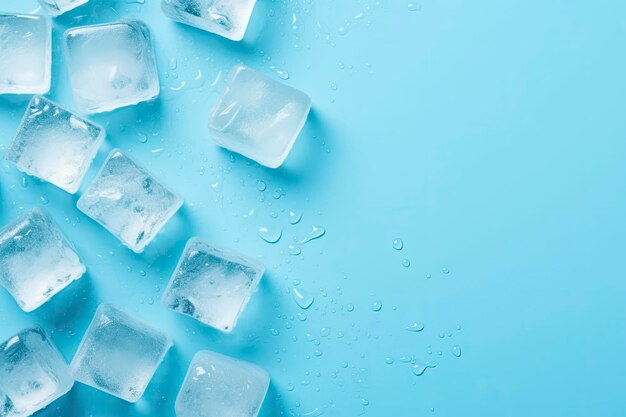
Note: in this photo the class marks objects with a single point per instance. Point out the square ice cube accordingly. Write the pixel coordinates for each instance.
(36, 259)
(58, 7)
(111, 65)
(212, 285)
(220, 386)
(228, 18)
(259, 117)
(32, 373)
(55, 145)
(25, 54)
(128, 201)
(119, 354)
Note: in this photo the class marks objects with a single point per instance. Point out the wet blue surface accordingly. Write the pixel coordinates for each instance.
(489, 137)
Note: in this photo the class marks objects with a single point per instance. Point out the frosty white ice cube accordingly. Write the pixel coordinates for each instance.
(25, 54)
(212, 285)
(54, 144)
(228, 18)
(111, 65)
(258, 117)
(32, 373)
(220, 386)
(36, 259)
(128, 201)
(119, 354)
(58, 7)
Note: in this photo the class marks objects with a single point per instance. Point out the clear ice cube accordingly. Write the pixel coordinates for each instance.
(33, 373)
(128, 201)
(55, 145)
(220, 386)
(25, 54)
(58, 7)
(228, 18)
(119, 354)
(212, 285)
(259, 117)
(36, 259)
(111, 65)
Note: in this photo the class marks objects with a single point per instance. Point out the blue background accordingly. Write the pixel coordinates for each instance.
(489, 136)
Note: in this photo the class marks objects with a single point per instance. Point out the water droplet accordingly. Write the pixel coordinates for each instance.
(456, 351)
(294, 250)
(377, 305)
(270, 236)
(413, 7)
(317, 352)
(406, 263)
(419, 369)
(398, 244)
(303, 298)
(278, 193)
(325, 331)
(344, 364)
(275, 332)
(282, 74)
(142, 138)
(173, 63)
(415, 327)
(388, 360)
(445, 271)
(261, 185)
(294, 218)
(315, 233)
(350, 308)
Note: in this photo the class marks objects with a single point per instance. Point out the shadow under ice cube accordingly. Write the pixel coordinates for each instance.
(32, 373)
(36, 259)
(220, 386)
(111, 65)
(119, 354)
(212, 285)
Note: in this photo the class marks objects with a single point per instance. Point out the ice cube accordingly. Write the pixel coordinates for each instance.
(220, 386)
(111, 65)
(119, 354)
(25, 54)
(228, 18)
(32, 373)
(36, 259)
(212, 285)
(58, 7)
(259, 117)
(55, 145)
(128, 201)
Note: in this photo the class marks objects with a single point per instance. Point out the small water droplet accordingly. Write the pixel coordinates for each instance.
(142, 138)
(350, 308)
(294, 250)
(419, 369)
(456, 351)
(344, 364)
(388, 360)
(413, 7)
(261, 185)
(315, 233)
(302, 298)
(270, 236)
(294, 218)
(406, 263)
(445, 271)
(274, 332)
(415, 327)
(398, 244)
(377, 305)
(325, 331)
